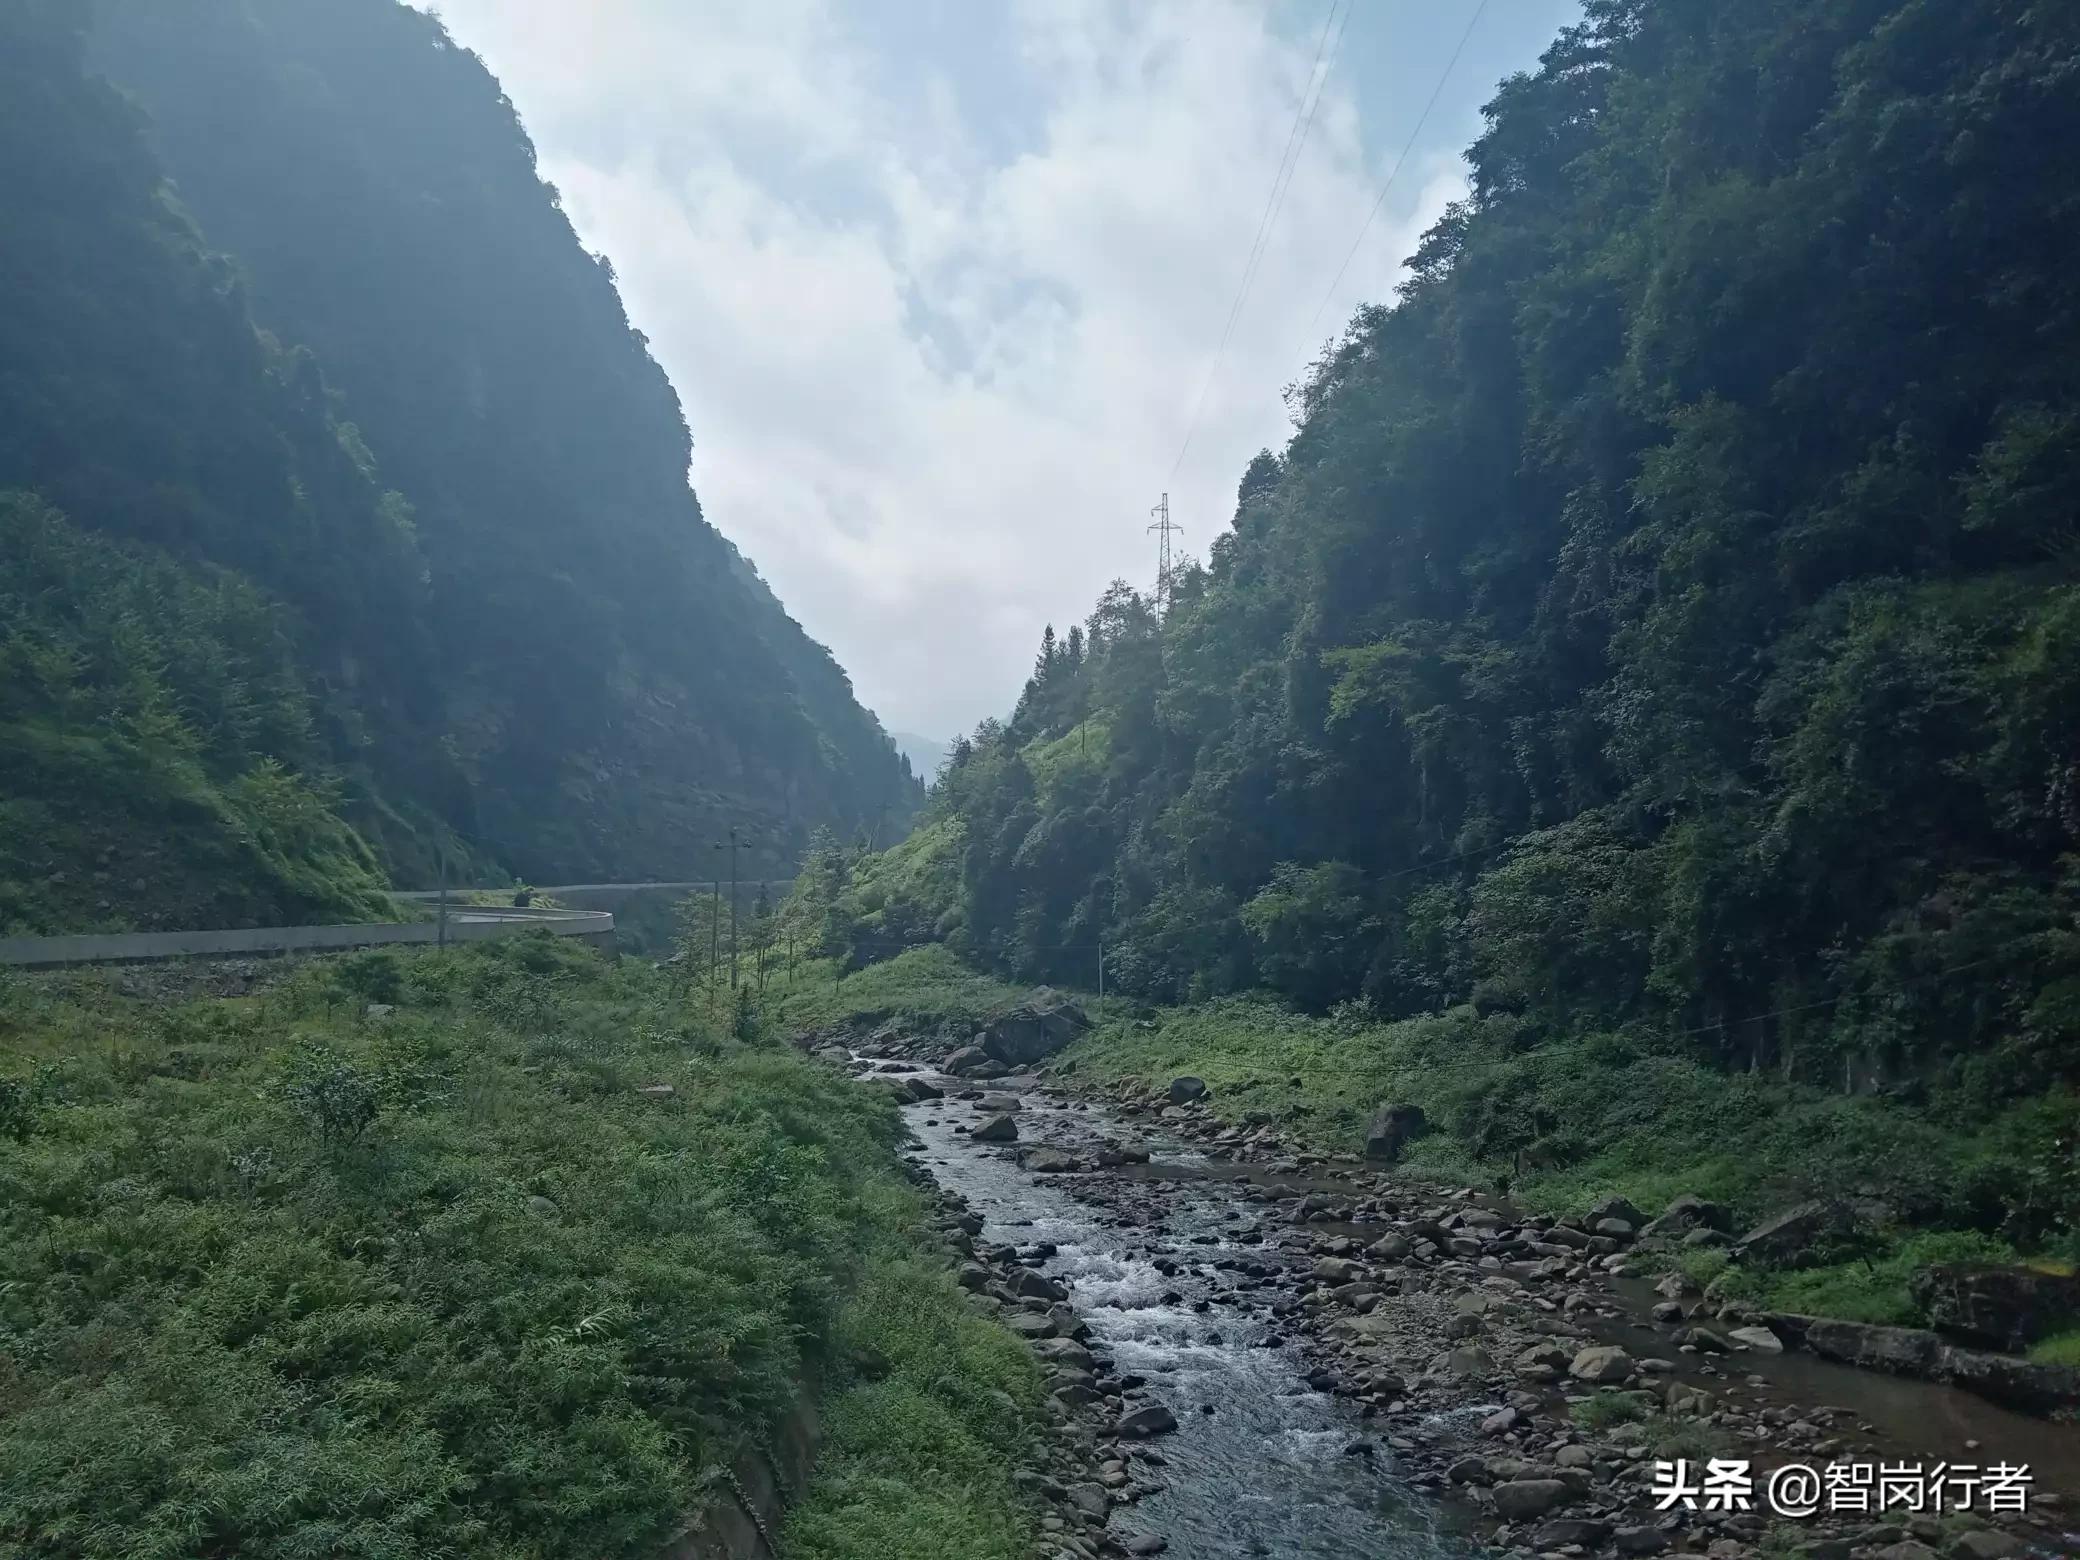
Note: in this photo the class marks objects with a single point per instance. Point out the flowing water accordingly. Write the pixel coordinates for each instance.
(1261, 1465)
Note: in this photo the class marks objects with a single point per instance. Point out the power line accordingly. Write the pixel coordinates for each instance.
(1288, 164)
(1395, 171)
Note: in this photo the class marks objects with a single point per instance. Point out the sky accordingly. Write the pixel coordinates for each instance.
(943, 283)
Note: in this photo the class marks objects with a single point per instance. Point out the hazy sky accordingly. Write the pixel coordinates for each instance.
(939, 280)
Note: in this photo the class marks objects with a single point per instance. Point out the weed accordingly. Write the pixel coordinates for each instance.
(1606, 1409)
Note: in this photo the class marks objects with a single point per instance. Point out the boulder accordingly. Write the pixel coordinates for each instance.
(998, 1129)
(1686, 1213)
(1563, 1531)
(1043, 1159)
(1994, 1305)
(1150, 1419)
(1987, 1544)
(1184, 1090)
(1757, 1338)
(1520, 1499)
(1041, 1025)
(1639, 1540)
(1614, 1208)
(1065, 1352)
(966, 1060)
(916, 1091)
(1601, 1363)
(1393, 1128)
(1793, 1238)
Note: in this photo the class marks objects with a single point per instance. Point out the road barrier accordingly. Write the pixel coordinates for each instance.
(465, 923)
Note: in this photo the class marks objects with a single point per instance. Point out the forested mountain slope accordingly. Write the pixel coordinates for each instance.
(1665, 617)
(437, 498)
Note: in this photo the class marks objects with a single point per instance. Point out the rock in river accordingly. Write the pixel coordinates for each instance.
(998, 1129)
(1149, 1419)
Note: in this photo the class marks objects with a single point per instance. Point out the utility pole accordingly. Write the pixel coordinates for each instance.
(733, 907)
(715, 924)
(1164, 529)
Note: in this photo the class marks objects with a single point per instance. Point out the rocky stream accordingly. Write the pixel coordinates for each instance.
(1257, 1353)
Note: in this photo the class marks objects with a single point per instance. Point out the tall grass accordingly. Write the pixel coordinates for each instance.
(509, 1271)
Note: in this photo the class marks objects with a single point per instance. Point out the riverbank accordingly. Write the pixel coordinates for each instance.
(1560, 1125)
(504, 1252)
(1488, 1359)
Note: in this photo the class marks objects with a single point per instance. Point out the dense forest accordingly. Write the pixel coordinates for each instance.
(1665, 617)
(348, 516)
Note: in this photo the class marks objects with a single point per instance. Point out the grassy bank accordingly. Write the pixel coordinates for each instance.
(926, 985)
(513, 1268)
(1561, 1122)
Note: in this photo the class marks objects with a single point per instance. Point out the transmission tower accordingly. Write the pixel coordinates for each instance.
(1164, 528)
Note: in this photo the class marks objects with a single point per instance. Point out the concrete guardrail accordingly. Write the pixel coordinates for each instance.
(466, 923)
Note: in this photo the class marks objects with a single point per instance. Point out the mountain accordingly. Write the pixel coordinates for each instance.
(292, 322)
(1665, 617)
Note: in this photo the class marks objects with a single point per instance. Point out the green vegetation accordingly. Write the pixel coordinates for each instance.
(1872, 1289)
(1632, 718)
(157, 757)
(285, 1277)
(922, 984)
(913, 1465)
(398, 456)
(1603, 1410)
(2061, 1349)
(1568, 1121)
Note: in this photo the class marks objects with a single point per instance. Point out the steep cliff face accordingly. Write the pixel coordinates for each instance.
(617, 688)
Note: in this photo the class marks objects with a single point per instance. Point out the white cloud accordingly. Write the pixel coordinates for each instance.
(934, 391)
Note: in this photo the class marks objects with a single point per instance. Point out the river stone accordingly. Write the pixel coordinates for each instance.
(1184, 1090)
(1091, 1501)
(967, 1059)
(1689, 1212)
(1038, 1286)
(1469, 1360)
(1521, 1499)
(1064, 1351)
(1996, 1305)
(1389, 1248)
(1038, 1027)
(1393, 1127)
(1042, 1159)
(1150, 1419)
(1337, 1270)
(1563, 1531)
(1758, 1338)
(1639, 1540)
(1614, 1208)
(998, 1129)
(1601, 1363)
(1986, 1544)
(1793, 1237)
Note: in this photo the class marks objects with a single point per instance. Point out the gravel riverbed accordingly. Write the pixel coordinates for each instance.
(1254, 1353)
